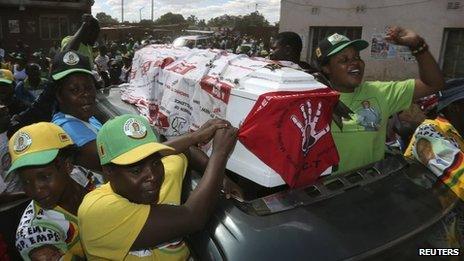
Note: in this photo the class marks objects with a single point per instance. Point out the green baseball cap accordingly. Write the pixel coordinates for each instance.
(127, 139)
(334, 44)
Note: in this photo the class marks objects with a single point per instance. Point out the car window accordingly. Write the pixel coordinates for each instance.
(179, 42)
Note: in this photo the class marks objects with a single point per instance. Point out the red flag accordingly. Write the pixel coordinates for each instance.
(290, 132)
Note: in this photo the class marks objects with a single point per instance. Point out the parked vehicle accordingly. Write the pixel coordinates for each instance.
(385, 211)
(192, 41)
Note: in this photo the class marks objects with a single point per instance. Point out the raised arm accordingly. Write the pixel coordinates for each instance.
(165, 222)
(85, 34)
(430, 76)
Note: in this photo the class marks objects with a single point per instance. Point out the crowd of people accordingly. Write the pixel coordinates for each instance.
(77, 169)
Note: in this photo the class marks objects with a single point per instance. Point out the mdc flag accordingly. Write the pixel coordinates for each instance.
(290, 132)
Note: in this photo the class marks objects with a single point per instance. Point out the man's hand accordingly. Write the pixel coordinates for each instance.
(87, 22)
(87, 18)
(401, 36)
(224, 140)
(206, 132)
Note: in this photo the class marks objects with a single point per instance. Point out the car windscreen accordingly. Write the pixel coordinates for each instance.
(179, 42)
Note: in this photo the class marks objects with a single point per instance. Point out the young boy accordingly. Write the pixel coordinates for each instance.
(41, 155)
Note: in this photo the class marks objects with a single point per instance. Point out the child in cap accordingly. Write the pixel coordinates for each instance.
(141, 202)
(41, 156)
(76, 93)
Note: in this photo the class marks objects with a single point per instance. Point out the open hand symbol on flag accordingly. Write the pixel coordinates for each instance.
(308, 126)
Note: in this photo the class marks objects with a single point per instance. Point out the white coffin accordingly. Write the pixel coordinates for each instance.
(242, 100)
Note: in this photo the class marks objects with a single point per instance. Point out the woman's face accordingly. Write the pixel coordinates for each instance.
(76, 96)
(345, 69)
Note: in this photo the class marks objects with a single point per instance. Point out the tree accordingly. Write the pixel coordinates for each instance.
(104, 18)
(170, 18)
(223, 21)
(201, 23)
(146, 22)
(192, 20)
(252, 19)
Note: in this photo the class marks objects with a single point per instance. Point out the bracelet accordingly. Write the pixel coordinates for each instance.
(419, 49)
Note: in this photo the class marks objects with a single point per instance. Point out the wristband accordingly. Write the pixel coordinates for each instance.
(419, 49)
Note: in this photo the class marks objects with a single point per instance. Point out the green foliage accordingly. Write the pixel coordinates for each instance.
(253, 19)
(104, 18)
(170, 18)
(192, 20)
(249, 20)
(223, 21)
(146, 22)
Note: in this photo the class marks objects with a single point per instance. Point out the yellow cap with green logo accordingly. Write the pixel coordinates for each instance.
(6, 76)
(127, 139)
(36, 144)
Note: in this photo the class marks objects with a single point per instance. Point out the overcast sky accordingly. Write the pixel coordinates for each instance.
(203, 9)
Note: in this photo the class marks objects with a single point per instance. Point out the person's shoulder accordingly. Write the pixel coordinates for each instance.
(381, 86)
(97, 199)
(175, 159)
(59, 118)
(95, 122)
(387, 83)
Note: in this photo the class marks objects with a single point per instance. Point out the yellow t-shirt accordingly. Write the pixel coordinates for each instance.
(109, 223)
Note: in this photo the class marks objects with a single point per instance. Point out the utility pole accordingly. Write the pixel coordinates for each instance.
(122, 11)
(152, 8)
(256, 7)
(140, 13)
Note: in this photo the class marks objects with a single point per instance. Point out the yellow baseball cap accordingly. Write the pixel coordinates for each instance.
(6, 76)
(36, 144)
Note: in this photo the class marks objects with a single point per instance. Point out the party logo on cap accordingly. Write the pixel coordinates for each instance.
(22, 142)
(318, 52)
(335, 38)
(63, 137)
(135, 129)
(70, 58)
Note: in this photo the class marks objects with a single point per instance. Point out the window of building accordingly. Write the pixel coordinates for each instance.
(53, 27)
(452, 54)
(318, 33)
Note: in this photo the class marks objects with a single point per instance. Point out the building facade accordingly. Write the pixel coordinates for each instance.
(39, 23)
(439, 22)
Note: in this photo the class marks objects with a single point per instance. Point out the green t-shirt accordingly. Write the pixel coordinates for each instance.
(362, 140)
(84, 49)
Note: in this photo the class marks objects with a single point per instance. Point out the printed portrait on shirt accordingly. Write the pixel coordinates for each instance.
(368, 116)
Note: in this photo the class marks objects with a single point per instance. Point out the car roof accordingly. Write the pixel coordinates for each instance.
(195, 37)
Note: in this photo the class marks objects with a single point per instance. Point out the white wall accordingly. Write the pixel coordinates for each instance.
(427, 18)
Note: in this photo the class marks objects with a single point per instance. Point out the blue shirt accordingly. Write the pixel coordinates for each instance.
(81, 132)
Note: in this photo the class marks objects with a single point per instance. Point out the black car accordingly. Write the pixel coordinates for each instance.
(386, 211)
